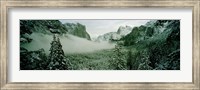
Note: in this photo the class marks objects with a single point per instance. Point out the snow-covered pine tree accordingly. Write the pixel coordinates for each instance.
(119, 61)
(144, 62)
(56, 56)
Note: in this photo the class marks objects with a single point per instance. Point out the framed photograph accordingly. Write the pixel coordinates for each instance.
(103, 44)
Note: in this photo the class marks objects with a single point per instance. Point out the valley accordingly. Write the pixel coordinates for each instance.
(52, 45)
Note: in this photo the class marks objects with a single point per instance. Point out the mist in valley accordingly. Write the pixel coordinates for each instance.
(70, 44)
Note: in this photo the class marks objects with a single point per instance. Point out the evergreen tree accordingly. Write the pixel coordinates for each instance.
(129, 60)
(144, 64)
(56, 56)
(118, 62)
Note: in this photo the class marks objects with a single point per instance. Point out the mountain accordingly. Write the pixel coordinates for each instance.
(124, 30)
(121, 32)
(27, 27)
(42, 26)
(152, 30)
(50, 27)
(155, 45)
(77, 30)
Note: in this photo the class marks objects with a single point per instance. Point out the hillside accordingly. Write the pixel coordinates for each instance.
(157, 43)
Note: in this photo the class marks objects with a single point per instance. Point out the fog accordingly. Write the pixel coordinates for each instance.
(70, 44)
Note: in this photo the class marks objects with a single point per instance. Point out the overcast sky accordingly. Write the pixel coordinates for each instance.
(100, 27)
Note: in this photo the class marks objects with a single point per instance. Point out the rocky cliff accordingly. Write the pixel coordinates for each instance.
(77, 30)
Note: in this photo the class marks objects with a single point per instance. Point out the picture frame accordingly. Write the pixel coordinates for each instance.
(4, 46)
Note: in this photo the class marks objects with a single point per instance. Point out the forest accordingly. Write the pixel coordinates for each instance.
(53, 45)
